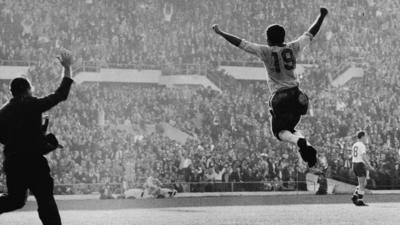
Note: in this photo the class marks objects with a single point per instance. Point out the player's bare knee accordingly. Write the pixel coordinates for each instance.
(283, 135)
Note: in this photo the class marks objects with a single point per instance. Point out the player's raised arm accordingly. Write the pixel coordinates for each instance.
(249, 47)
(305, 39)
(61, 94)
(318, 22)
(229, 37)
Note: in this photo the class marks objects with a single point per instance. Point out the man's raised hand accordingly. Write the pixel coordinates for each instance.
(65, 58)
(66, 61)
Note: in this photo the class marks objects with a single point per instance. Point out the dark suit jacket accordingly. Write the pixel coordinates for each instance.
(21, 122)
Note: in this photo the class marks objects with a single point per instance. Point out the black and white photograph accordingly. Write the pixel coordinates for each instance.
(199, 112)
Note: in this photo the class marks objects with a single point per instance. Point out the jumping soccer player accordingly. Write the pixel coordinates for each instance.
(288, 102)
(360, 161)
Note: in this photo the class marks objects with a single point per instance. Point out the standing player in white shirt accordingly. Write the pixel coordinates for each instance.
(288, 102)
(361, 164)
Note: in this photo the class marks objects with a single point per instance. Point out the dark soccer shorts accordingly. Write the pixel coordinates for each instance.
(287, 107)
(359, 169)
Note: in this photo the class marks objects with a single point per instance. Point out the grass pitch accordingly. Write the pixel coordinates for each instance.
(279, 210)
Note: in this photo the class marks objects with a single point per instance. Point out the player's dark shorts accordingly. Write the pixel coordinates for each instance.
(287, 106)
(359, 169)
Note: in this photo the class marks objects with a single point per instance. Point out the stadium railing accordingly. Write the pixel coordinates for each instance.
(245, 186)
(212, 186)
(241, 63)
(175, 69)
(184, 69)
(132, 66)
(186, 187)
(254, 63)
(89, 66)
(17, 62)
(87, 188)
(200, 187)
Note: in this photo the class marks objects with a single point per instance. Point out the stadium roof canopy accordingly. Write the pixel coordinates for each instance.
(11, 72)
(256, 73)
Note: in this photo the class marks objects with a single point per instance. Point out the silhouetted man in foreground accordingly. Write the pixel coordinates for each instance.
(25, 143)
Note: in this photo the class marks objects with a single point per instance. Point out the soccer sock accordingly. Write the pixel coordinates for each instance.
(360, 194)
(356, 191)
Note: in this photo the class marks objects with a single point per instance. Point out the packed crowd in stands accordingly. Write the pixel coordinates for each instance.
(178, 32)
(108, 130)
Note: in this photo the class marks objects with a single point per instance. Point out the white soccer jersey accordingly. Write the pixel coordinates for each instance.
(279, 61)
(356, 152)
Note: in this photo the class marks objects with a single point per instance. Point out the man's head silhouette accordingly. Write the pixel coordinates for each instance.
(20, 86)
